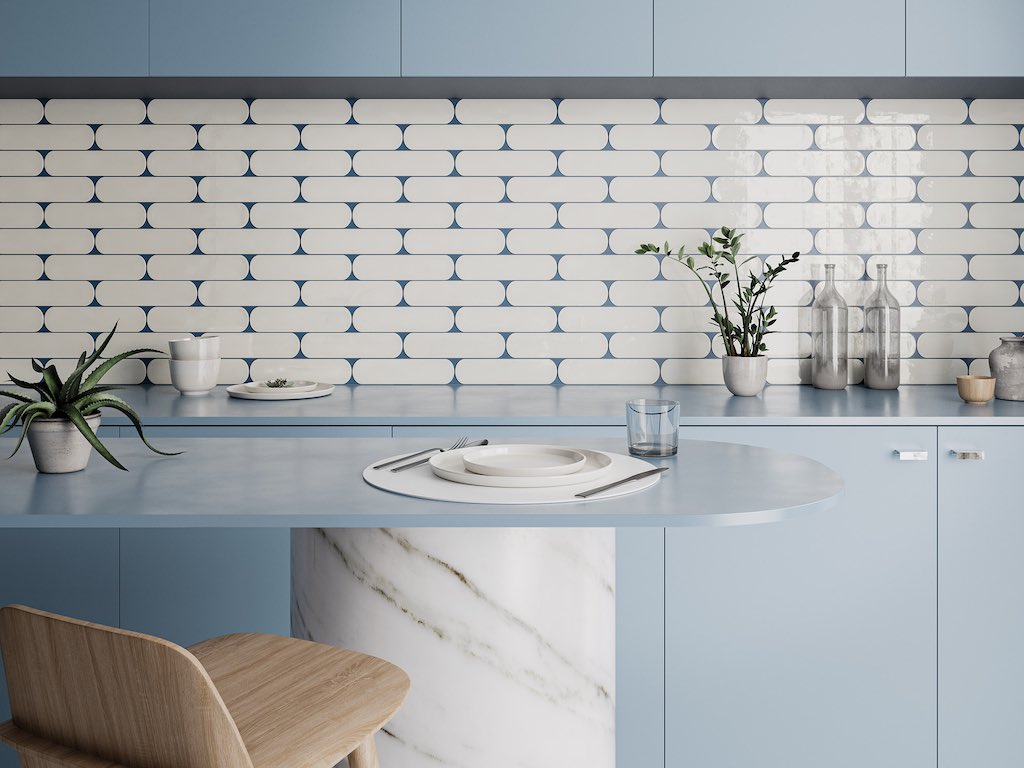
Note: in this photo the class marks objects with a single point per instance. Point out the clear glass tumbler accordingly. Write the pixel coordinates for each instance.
(652, 427)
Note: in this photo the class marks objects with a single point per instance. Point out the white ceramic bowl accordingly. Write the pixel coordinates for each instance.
(195, 348)
(194, 377)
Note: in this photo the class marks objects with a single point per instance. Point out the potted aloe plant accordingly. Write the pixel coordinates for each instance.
(61, 424)
(743, 332)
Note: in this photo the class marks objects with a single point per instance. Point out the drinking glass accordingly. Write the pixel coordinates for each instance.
(652, 427)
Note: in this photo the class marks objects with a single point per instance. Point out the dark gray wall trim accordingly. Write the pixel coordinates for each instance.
(509, 87)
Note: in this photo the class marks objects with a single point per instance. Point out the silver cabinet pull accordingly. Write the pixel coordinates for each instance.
(912, 455)
(968, 455)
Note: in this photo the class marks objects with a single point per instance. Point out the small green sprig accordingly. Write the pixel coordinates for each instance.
(75, 399)
(277, 383)
(743, 337)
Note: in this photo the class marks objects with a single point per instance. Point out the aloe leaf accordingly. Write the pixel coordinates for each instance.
(53, 383)
(16, 396)
(35, 386)
(29, 414)
(9, 416)
(71, 385)
(118, 404)
(79, 421)
(91, 392)
(84, 364)
(104, 368)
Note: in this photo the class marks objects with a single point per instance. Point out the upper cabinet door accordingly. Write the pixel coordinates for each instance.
(267, 38)
(527, 38)
(766, 38)
(66, 38)
(955, 38)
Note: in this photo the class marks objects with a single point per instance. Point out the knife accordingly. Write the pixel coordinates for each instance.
(631, 478)
(421, 462)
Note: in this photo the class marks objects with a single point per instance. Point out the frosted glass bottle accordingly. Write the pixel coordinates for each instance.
(830, 321)
(882, 336)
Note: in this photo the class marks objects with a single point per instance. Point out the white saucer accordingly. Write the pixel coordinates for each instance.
(519, 460)
(293, 386)
(450, 466)
(240, 391)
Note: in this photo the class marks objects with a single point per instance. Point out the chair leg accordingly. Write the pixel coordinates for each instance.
(365, 755)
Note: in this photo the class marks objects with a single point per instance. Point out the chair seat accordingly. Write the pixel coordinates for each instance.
(299, 704)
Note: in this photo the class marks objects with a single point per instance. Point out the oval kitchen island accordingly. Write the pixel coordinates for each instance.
(509, 618)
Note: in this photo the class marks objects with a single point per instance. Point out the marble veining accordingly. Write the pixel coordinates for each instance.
(508, 635)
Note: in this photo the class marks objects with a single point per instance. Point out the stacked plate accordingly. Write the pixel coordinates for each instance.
(521, 466)
(280, 389)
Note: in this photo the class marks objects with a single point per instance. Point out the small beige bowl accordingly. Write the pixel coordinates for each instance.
(976, 390)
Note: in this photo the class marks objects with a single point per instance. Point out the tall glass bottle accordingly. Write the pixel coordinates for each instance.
(830, 321)
(882, 336)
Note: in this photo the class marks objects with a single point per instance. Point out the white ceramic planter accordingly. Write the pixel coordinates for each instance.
(745, 376)
(57, 445)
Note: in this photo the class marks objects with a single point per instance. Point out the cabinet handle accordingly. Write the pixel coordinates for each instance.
(968, 455)
(912, 455)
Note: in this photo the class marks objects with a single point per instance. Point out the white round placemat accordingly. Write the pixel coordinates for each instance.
(422, 483)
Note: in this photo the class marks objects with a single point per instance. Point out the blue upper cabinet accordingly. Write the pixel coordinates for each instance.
(795, 38)
(265, 38)
(955, 38)
(65, 38)
(527, 38)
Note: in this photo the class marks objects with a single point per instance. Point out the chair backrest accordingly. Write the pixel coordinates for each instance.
(123, 696)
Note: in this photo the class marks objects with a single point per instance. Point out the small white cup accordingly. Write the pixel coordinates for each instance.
(194, 377)
(195, 348)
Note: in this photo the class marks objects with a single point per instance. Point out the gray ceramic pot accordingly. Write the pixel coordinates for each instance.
(57, 445)
(1007, 364)
(745, 376)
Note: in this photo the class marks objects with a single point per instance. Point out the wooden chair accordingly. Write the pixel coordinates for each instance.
(88, 696)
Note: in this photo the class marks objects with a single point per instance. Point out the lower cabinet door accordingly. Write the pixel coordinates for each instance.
(69, 571)
(981, 597)
(809, 643)
(190, 584)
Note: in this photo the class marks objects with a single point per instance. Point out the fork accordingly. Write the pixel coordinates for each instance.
(460, 443)
(421, 462)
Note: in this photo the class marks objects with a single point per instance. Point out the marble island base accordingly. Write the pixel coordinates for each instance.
(508, 635)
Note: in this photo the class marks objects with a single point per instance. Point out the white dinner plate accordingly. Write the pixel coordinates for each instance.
(518, 460)
(292, 386)
(450, 466)
(240, 391)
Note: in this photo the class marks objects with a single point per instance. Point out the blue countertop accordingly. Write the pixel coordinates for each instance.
(368, 405)
(300, 483)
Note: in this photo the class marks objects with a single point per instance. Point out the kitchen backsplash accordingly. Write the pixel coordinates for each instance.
(491, 241)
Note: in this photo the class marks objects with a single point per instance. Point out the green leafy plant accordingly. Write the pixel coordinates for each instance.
(744, 332)
(75, 399)
(277, 383)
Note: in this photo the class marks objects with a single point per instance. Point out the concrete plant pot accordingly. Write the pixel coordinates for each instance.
(57, 445)
(745, 376)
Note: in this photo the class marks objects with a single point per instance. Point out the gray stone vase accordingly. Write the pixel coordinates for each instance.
(1007, 364)
(57, 445)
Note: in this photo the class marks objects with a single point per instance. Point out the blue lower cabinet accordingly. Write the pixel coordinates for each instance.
(191, 584)
(639, 647)
(556, 434)
(73, 572)
(981, 598)
(810, 643)
(262, 431)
